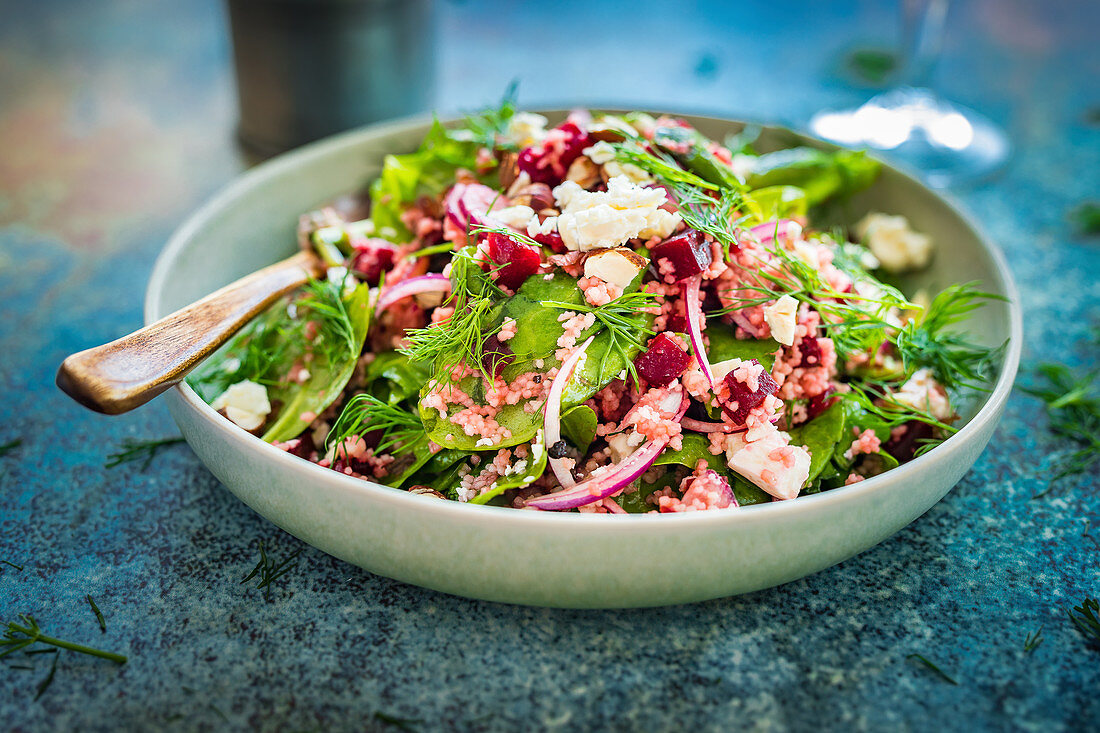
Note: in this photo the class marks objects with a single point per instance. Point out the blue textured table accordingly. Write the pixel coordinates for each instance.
(116, 119)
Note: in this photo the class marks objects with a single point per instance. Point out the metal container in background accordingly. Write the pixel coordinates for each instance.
(309, 68)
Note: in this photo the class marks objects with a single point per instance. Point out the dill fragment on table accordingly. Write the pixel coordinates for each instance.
(1073, 409)
(26, 632)
(45, 683)
(139, 450)
(268, 570)
(19, 568)
(1087, 217)
(10, 446)
(1033, 640)
(98, 614)
(924, 660)
(405, 724)
(1085, 619)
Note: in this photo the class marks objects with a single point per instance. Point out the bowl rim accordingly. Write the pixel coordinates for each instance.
(224, 198)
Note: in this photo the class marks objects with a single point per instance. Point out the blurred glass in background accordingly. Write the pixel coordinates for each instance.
(310, 68)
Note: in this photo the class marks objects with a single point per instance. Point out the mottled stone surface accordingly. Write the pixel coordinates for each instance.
(116, 120)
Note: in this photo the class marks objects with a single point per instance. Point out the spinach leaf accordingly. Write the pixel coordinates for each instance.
(776, 202)
(393, 377)
(526, 470)
(694, 448)
(820, 174)
(578, 425)
(327, 378)
(745, 492)
(725, 345)
(635, 502)
(821, 436)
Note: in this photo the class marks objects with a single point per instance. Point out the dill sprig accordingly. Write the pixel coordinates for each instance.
(402, 431)
(25, 631)
(10, 446)
(323, 301)
(955, 361)
(48, 680)
(98, 614)
(461, 338)
(268, 570)
(924, 660)
(875, 397)
(139, 450)
(486, 126)
(1084, 618)
(505, 232)
(405, 724)
(660, 165)
(1033, 640)
(624, 320)
(18, 568)
(1073, 409)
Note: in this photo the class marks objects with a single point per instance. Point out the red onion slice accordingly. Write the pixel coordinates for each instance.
(434, 283)
(551, 424)
(598, 488)
(695, 331)
(468, 204)
(766, 232)
(702, 426)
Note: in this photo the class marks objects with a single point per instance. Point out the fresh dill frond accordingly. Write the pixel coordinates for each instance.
(874, 397)
(624, 319)
(1073, 410)
(927, 341)
(1084, 618)
(323, 303)
(435, 249)
(18, 568)
(98, 614)
(660, 165)
(924, 660)
(1033, 640)
(505, 232)
(45, 683)
(25, 632)
(402, 431)
(139, 450)
(10, 446)
(268, 570)
(486, 126)
(405, 724)
(461, 338)
(1087, 217)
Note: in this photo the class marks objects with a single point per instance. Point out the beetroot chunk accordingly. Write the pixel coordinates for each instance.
(738, 400)
(548, 161)
(663, 361)
(811, 352)
(372, 257)
(905, 444)
(687, 254)
(496, 355)
(519, 260)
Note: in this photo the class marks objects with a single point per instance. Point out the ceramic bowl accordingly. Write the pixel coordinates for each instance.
(551, 559)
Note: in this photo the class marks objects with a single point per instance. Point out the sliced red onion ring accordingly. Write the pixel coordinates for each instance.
(766, 232)
(598, 488)
(613, 507)
(434, 283)
(467, 205)
(695, 331)
(551, 424)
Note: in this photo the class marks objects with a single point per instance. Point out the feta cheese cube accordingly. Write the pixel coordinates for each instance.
(894, 243)
(515, 217)
(526, 128)
(781, 318)
(606, 219)
(922, 392)
(245, 403)
(618, 266)
(770, 462)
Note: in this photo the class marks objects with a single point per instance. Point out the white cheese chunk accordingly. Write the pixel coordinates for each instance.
(924, 393)
(893, 243)
(618, 266)
(754, 461)
(515, 217)
(605, 219)
(720, 369)
(781, 318)
(245, 403)
(525, 129)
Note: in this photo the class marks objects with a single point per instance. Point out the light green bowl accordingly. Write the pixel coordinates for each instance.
(551, 559)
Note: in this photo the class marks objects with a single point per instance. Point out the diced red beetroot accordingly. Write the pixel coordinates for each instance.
(552, 240)
(372, 257)
(811, 352)
(905, 446)
(496, 355)
(663, 361)
(677, 320)
(519, 260)
(819, 403)
(738, 400)
(688, 254)
(548, 161)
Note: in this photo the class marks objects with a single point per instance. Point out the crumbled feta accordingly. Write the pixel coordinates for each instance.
(526, 128)
(601, 153)
(594, 220)
(895, 245)
(924, 393)
(619, 446)
(720, 369)
(770, 462)
(245, 403)
(781, 318)
(618, 266)
(547, 226)
(515, 217)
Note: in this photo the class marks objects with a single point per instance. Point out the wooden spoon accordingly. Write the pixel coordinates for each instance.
(127, 373)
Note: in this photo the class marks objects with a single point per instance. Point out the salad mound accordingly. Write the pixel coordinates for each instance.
(612, 315)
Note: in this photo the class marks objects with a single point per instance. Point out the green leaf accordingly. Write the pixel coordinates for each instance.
(526, 470)
(820, 174)
(327, 378)
(821, 436)
(724, 345)
(694, 448)
(393, 377)
(578, 425)
(775, 202)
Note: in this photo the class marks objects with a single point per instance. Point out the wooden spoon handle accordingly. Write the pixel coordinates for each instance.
(127, 373)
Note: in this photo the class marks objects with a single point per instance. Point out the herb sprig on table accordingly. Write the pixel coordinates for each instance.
(25, 632)
(1073, 408)
(10, 446)
(145, 451)
(924, 660)
(1086, 620)
(268, 570)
